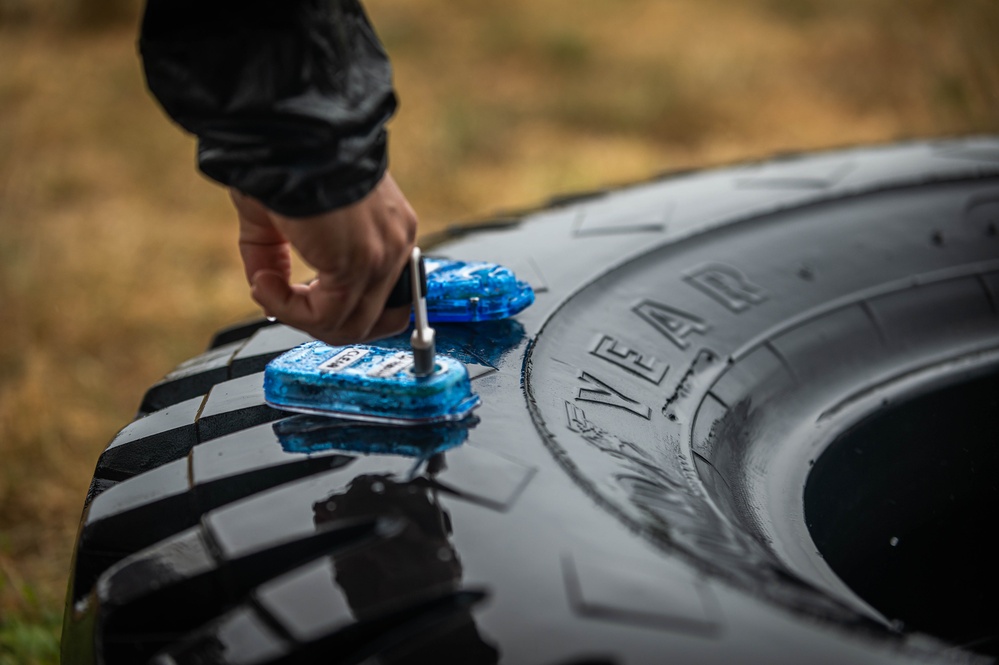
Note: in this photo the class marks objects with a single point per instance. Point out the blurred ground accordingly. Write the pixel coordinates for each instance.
(117, 260)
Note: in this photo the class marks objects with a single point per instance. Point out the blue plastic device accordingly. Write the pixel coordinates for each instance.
(367, 383)
(460, 291)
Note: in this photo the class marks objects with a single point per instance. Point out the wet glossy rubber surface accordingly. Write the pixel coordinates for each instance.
(631, 490)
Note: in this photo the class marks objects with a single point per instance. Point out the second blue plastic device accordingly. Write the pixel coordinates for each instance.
(464, 291)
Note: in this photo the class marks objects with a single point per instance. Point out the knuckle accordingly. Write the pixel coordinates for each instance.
(407, 235)
(409, 226)
(400, 239)
(375, 257)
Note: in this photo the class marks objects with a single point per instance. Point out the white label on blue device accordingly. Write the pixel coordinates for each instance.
(343, 360)
(391, 366)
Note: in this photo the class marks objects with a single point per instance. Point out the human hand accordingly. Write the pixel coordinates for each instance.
(358, 253)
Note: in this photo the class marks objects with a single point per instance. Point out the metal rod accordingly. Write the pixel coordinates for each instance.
(423, 338)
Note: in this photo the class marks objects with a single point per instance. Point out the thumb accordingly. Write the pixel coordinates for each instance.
(271, 290)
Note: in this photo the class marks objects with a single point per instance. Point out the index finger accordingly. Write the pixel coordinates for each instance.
(318, 308)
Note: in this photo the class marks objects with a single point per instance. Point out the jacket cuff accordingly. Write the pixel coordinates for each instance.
(303, 187)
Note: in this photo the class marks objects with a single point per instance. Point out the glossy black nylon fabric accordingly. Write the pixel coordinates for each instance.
(288, 98)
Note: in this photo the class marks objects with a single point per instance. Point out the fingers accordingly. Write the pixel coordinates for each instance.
(274, 259)
(318, 308)
(374, 239)
(262, 246)
(358, 252)
(334, 314)
(369, 319)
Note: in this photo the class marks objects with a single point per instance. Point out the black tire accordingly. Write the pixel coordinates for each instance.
(724, 373)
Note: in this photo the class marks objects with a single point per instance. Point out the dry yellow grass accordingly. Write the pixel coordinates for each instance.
(117, 260)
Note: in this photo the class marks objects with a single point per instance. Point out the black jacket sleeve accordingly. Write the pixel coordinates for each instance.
(288, 98)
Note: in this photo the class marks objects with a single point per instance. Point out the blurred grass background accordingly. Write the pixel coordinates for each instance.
(117, 261)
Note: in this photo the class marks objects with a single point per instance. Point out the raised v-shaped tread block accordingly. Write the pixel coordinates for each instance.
(140, 512)
(265, 345)
(190, 379)
(151, 441)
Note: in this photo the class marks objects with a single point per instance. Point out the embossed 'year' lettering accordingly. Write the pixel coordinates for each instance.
(613, 351)
(672, 323)
(601, 393)
(727, 285)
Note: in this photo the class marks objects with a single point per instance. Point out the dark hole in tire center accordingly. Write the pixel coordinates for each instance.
(902, 507)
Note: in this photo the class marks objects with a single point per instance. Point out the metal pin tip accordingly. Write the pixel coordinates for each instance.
(423, 339)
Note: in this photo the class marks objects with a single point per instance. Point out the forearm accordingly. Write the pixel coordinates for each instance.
(288, 98)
